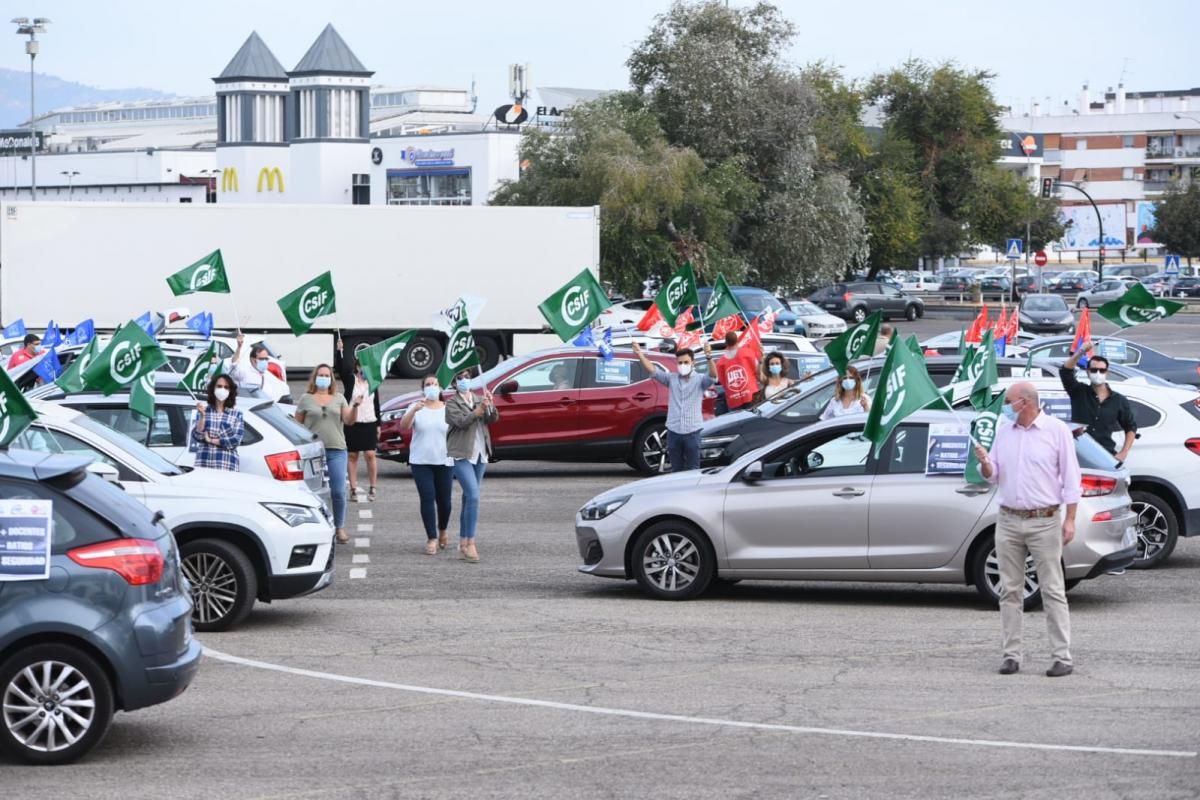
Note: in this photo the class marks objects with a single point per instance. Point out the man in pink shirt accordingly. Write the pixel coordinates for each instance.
(1034, 465)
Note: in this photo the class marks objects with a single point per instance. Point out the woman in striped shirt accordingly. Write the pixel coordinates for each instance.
(219, 427)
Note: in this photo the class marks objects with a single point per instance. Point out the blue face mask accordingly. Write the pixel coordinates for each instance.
(848, 384)
(775, 369)
(463, 385)
(324, 381)
(1009, 412)
(261, 364)
(432, 392)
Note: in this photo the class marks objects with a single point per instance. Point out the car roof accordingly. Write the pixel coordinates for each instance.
(31, 465)
(166, 391)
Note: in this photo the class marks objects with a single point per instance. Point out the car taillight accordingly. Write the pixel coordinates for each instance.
(1193, 445)
(286, 466)
(1097, 486)
(138, 561)
(1102, 516)
(846, 297)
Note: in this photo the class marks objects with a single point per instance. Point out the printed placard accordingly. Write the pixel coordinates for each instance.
(613, 372)
(25, 539)
(1057, 404)
(946, 452)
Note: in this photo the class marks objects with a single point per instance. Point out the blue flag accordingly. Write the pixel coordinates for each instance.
(49, 368)
(1001, 346)
(585, 338)
(84, 332)
(606, 348)
(202, 324)
(52, 337)
(146, 323)
(15, 330)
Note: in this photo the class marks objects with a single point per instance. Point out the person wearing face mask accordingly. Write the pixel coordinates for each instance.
(848, 396)
(324, 411)
(775, 378)
(250, 376)
(470, 445)
(1095, 405)
(685, 406)
(363, 436)
(219, 427)
(430, 462)
(737, 372)
(30, 347)
(1036, 472)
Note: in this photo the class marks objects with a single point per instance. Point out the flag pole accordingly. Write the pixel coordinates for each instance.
(237, 318)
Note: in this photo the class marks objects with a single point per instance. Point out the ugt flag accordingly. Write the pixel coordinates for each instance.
(983, 430)
(460, 353)
(1137, 306)
(678, 294)
(15, 412)
(304, 306)
(206, 275)
(71, 381)
(377, 360)
(575, 306)
(722, 302)
(904, 388)
(855, 343)
(129, 355)
(203, 370)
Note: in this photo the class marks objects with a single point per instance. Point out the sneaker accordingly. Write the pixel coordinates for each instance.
(431, 547)
(371, 494)
(352, 496)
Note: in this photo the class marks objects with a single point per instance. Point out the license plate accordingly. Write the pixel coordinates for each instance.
(1130, 537)
(831, 305)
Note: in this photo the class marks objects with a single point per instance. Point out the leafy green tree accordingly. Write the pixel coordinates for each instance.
(1000, 204)
(1177, 219)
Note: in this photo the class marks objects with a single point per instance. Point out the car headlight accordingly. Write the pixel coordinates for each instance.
(293, 515)
(388, 416)
(595, 511)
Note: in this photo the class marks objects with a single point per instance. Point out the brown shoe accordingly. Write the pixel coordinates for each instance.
(443, 540)
(470, 554)
(342, 536)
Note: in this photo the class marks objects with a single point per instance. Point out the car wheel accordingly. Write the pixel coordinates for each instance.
(910, 313)
(673, 561)
(1157, 529)
(858, 314)
(650, 450)
(420, 358)
(223, 583)
(985, 572)
(56, 702)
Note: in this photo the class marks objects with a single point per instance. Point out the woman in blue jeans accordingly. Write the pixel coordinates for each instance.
(432, 468)
(325, 412)
(469, 444)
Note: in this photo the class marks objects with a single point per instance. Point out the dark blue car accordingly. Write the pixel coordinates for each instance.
(109, 629)
(755, 301)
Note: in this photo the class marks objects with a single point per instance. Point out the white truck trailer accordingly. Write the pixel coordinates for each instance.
(393, 268)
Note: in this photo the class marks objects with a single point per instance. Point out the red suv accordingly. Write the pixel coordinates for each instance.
(566, 404)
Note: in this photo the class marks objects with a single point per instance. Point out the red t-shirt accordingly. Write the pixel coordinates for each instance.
(18, 358)
(739, 377)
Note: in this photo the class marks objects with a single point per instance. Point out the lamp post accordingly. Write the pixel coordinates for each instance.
(70, 181)
(31, 28)
(1099, 222)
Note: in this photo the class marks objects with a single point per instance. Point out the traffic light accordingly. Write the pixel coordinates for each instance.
(1047, 187)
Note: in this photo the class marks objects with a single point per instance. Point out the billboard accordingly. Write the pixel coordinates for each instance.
(1082, 230)
(1143, 230)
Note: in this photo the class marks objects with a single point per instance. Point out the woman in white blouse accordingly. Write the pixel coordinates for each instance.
(432, 469)
(848, 397)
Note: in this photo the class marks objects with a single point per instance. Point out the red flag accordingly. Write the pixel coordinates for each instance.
(1001, 325)
(750, 342)
(651, 318)
(1014, 327)
(766, 321)
(1083, 331)
(981, 324)
(683, 320)
(734, 322)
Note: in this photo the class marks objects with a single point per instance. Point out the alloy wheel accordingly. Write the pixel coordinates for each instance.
(1152, 530)
(49, 706)
(214, 585)
(654, 451)
(671, 562)
(991, 572)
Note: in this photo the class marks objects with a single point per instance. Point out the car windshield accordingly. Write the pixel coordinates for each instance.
(805, 307)
(1044, 303)
(133, 448)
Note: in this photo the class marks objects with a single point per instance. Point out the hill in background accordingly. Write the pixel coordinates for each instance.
(53, 92)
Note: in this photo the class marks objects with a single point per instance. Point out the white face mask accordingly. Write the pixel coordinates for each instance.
(685, 369)
(221, 393)
(1097, 378)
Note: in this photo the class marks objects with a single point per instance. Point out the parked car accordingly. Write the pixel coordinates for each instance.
(819, 505)
(1073, 281)
(627, 313)
(1101, 293)
(954, 287)
(1160, 284)
(1183, 371)
(856, 301)
(919, 282)
(755, 301)
(68, 658)
(242, 537)
(1134, 271)
(816, 321)
(612, 411)
(1187, 287)
(993, 287)
(1045, 313)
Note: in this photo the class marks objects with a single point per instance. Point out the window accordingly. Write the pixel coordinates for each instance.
(906, 452)
(834, 453)
(866, 288)
(1143, 415)
(434, 187)
(1081, 144)
(555, 374)
(890, 291)
(73, 525)
(808, 407)
(1126, 141)
(122, 420)
(43, 440)
(752, 303)
(1127, 173)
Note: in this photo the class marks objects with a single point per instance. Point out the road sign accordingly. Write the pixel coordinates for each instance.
(1172, 265)
(1039, 258)
(1013, 250)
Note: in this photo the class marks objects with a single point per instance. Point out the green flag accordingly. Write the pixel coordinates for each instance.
(15, 412)
(904, 387)
(141, 396)
(1136, 307)
(460, 352)
(130, 355)
(377, 360)
(1029, 364)
(983, 370)
(311, 301)
(983, 429)
(206, 275)
(722, 302)
(678, 294)
(573, 307)
(203, 370)
(71, 381)
(856, 342)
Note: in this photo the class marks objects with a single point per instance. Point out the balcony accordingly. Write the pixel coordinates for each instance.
(1173, 155)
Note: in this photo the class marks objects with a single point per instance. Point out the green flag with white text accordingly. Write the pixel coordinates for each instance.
(15, 412)
(203, 370)
(722, 302)
(71, 381)
(983, 370)
(1136, 307)
(983, 429)
(130, 354)
(304, 306)
(856, 342)
(904, 387)
(575, 306)
(141, 396)
(377, 360)
(678, 294)
(206, 275)
(460, 352)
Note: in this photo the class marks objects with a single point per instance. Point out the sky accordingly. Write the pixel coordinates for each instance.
(1043, 51)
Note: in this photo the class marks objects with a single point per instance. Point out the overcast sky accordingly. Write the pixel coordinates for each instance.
(1037, 49)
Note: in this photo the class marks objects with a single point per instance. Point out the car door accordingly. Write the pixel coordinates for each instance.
(809, 510)
(614, 398)
(542, 408)
(919, 520)
(892, 302)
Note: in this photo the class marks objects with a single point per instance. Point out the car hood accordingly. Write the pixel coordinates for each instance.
(673, 481)
(243, 486)
(726, 423)
(1047, 316)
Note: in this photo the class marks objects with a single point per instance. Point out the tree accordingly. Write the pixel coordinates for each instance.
(1177, 219)
(1001, 203)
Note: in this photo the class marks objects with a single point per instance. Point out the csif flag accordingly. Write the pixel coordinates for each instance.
(1136, 307)
(304, 306)
(678, 294)
(206, 275)
(142, 396)
(904, 388)
(722, 302)
(377, 360)
(983, 371)
(574, 306)
(130, 355)
(203, 370)
(983, 431)
(460, 352)
(71, 381)
(855, 343)
(15, 412)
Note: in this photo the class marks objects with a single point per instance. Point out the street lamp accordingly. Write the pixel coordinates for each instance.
(26, 27)
(1185, 116)
(70, 181)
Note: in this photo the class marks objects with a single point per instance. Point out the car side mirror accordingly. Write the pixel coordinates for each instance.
(106, 471)
(753, 473)
(508, 387)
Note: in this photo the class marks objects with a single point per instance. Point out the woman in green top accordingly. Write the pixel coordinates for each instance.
(324, 411)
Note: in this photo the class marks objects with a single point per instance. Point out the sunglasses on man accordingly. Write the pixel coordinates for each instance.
(1100, 370)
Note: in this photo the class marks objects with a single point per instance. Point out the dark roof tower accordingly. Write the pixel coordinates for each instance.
(330, 55)
(253, 61)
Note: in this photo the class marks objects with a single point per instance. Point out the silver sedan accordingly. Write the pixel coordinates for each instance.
(818, 505)
(1101, 293)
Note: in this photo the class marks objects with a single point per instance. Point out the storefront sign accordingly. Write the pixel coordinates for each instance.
(1021, 145)
(16, 142)
(25, 539)
(416, 157)
(947, 449)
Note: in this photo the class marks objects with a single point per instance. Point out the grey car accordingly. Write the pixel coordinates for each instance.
(1101, 293)
(818, 505)
(109, 630)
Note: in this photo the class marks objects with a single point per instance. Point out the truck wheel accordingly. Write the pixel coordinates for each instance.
(420, 358)
(223, 581)
(488, 350)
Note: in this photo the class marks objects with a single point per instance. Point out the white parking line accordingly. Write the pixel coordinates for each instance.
(361, 558)
(365, 513)
(727, 723)
(362, 541)
(366, 527)
(358, 572)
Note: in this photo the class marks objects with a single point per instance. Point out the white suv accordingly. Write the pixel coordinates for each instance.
(241, 537)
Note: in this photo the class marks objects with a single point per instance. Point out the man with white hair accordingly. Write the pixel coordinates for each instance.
(1034, 465)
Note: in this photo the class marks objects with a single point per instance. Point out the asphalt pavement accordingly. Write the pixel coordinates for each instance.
(417, 676)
